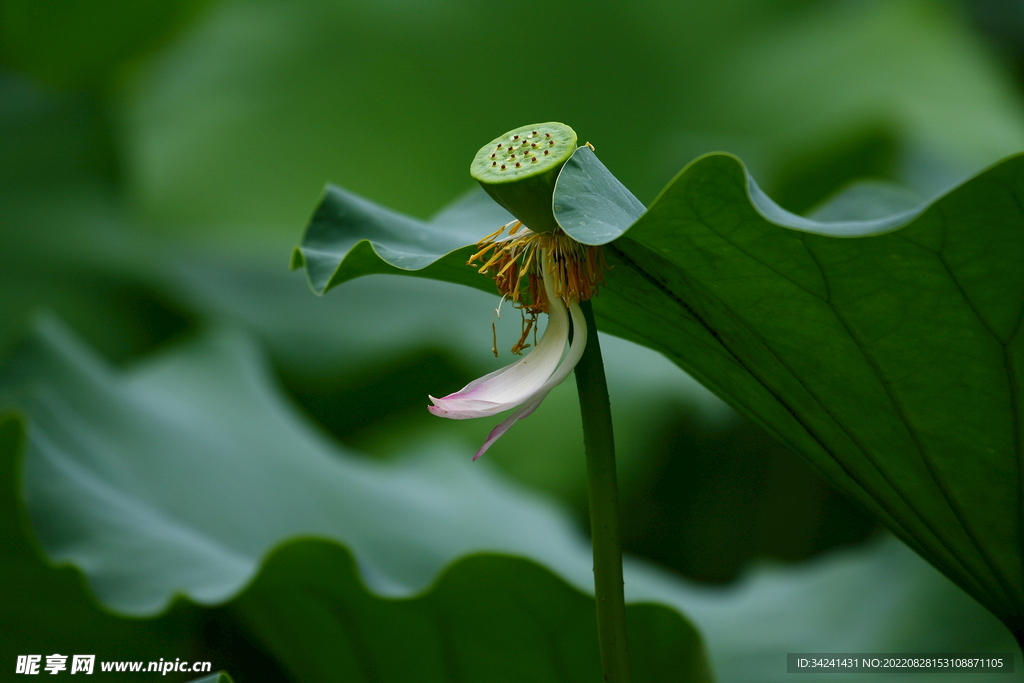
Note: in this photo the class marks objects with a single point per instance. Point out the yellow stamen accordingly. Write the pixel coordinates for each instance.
(577, 271)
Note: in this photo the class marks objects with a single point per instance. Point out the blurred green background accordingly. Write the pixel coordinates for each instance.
(159, 159)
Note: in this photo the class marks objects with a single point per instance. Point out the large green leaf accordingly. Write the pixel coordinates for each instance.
(46, 611)
(888, 360)
(183, 475)
(180, 477)
(885, 350)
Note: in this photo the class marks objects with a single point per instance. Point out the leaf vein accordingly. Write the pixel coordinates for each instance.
(804, 425)
(746, 253)
(923, 452)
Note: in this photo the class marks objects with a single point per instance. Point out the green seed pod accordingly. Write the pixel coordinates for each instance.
(519, 170)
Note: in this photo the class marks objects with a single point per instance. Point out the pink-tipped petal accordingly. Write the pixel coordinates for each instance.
(463, 410)
(524, 411)
(524, 384)
(513, 384)
(579, 343)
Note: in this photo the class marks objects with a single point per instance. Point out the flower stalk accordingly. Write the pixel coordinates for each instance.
(602, 482)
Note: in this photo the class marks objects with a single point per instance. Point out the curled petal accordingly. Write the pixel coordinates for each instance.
(579, 342)
(512, 385)
(525, 383)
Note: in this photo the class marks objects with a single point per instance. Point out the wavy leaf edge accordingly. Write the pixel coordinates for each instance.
(629, 212)
(286, 551)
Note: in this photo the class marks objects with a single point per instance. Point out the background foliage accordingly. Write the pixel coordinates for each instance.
(159, 160)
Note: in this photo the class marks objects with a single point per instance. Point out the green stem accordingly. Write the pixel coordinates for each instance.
(604, 506)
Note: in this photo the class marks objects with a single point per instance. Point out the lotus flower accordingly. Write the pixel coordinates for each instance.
(525, 383)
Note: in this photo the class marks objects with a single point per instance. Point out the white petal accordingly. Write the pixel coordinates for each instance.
(512, 385)
(527, 382)
(579, 342)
